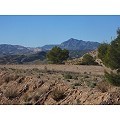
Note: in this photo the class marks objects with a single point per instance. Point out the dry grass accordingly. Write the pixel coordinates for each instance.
(58, 94)
(53, 84)
(11, 93)
(94, 70)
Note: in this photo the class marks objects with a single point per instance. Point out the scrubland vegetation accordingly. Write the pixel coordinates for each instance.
(58, 83)
(110, 56)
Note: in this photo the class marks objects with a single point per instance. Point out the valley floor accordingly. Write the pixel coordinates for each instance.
(95, 70)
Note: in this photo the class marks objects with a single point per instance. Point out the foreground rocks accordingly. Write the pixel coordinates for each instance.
(36, 87)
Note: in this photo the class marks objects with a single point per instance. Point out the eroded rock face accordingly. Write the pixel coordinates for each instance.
(54, 89)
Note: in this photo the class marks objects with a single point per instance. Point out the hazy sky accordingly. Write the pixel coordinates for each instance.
(34, 31)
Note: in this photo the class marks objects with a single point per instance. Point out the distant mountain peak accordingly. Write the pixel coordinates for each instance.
(70, 44)
(72, 39)
(74, 44)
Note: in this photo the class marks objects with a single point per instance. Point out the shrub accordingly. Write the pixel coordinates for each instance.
(86, 76)
(36, 97)
(58, 94)
(11, 93)
(67, 76)
(75, 77)
(110, 55)
(102, 50)
(57, 55)
(35, 69)
(103, 86)
(90, 84)
(10, 78)
(45, 69)
(7, 79)
(88, 60)
(113, 78)
(27, 98)
(77, 84)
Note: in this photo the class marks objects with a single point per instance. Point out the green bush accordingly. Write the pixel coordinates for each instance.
(102, 50)
(11, 93)
(92, 85)
(57, 55)
(110, 53)
(88, 60)
(110, 56)
(77, 84)
(67, 76)
(113, 78)
(58, 94)
(103, 86)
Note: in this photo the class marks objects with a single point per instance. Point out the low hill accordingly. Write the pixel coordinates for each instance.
(22, 59)
(6, 49)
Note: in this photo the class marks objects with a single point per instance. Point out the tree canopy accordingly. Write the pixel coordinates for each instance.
(88, 60)
(57, 55)
(110, 55)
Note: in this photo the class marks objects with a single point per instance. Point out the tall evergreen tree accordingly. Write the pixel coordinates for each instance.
(57, 55)
(110, 55)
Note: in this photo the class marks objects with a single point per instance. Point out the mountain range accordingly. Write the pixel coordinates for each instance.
(10, 54)
(74, 44)
(71, 44)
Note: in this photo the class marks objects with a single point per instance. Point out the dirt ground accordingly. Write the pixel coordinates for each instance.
(95, 70)
(55, 85)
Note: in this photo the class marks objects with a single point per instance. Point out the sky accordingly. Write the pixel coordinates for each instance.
(36, 31)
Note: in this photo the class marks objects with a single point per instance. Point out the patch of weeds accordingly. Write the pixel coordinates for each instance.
(10, 78)
(3, 69)
(45, 69)
(95, 79)
(86, 76)
(27, 98)
(35, 69)
(11, 93)
(28, 103)
(58, 94)
(113, 79)
(7, 79)
(85, 72)
(77, 84)
(20, 79)
(92, 85)
(36, 97)
(89, 73)
(72, 86)
(38, 76)
(103, 86)
(75, 77)
(68, 80)
(13, 69)
(59, 78)
(78, 101)
(53, 70)
(67, 76)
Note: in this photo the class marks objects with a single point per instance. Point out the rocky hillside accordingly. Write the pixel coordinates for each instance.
(22, 59)
(77, 61)
(43, 87)
(6, 49)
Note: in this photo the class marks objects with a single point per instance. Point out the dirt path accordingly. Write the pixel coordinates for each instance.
(95, 70)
